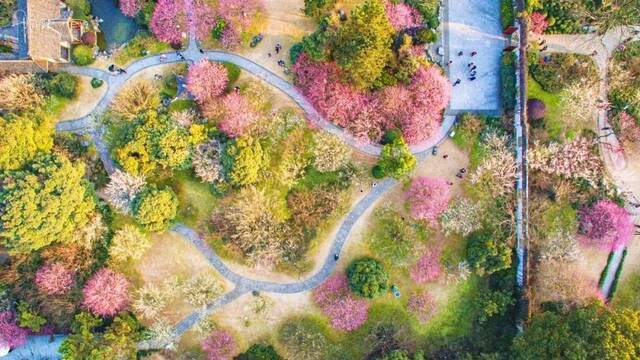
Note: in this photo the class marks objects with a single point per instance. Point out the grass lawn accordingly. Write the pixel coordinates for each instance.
(553, 123)
(196, 199)
(626, 295)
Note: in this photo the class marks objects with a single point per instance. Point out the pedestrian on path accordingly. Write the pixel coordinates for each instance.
(460, 53)
(474, 53)
(457, 82)
(269, 54)
(594, 53)
(544, 48)
(470, 64)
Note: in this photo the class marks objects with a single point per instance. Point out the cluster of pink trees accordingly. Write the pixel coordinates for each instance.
(54, 279)
(427, 268)
(422, 305)
(403, 16)
(220, 345)
(237, 114)
(240, 12)
(130, 7)
(206, 80)
(168, 21)
(606, 225)
(11, 334)
(106, 293)
(428, 198)
(333, 297)
(414, 109)
(538, 22)
(200, 18)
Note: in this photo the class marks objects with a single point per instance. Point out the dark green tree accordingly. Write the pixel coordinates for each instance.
(64, 84)
(259, 351)
(368, 278)
(396, 160)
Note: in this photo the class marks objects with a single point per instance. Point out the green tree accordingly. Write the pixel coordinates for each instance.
(367, 277)
(21, 138)
(249, 160)
(363, 44)
(396, 160)
(64, 84)
(28, 318)
(259, 351)
(155, 209)
(82, 55)
(494, 303)
(317, 8)
(44, 202)
(592, 332)
(81, 342)
(487, 255)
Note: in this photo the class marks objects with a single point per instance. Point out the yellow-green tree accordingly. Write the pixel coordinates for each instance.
(249, 160)
(44, 202)
(22, 137)
(363, 44)
(154, 209)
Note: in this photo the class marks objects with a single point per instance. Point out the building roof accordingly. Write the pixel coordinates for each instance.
(48, 27)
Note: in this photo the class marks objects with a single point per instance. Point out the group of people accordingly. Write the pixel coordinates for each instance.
(281, 62)
(471, 67)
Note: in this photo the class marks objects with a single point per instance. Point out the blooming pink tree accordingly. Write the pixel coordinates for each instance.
(334, 299)
(168, 21)
(220, 345)
(538, 23)
(201, 18)
(206, 80)
(428, 198)
(628, 128)
(431, 92)
(427, 268)
(130, 8)
(11, 334)
(403, 16)
(54, 279)
(606, 225)
(230, 38)
(106, 293)
(238, 115)
(422, 305)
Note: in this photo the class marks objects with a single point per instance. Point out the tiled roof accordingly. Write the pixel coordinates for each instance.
(48, 27)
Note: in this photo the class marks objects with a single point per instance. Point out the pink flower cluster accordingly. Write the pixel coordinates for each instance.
(240, 12)
(606, 225)
(168, 21)
(106, 293)
(538, 23)
(220, 345)
(422, 305)
(54, 279)
(427, 268)
(11, 334)
(206, 80)
(130, 8)
(428, 198)
(415, 109)
(200, 18)
(403, 16)
(238, 115)
(334, 299)
(628, 128)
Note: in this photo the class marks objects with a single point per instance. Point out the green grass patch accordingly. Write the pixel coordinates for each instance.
(140, 46)
(54, 104)
(627, 295)
(197, 202)
(553, 124)
(507, 13)
(181, 105)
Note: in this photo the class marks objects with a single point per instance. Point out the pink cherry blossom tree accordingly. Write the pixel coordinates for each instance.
(241, 13)
(428, 198)
(220, 345)
(427, 268)
(11, 334)
(201, 18)
(538, 23)
(431, 92)
(628, 128)
(168, 21)
(54, 279)
(230, 38)
(422, 305)
(238, 115)
(334, 299)
(106, 293)
(403, 16)
(130, 8)
(206, 80)
(606, 225)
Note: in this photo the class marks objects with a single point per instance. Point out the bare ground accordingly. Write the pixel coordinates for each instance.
(83, 104)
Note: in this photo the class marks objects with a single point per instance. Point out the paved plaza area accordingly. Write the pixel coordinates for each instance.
(474, 26)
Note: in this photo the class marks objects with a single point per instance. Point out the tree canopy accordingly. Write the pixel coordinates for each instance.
(22, 137)
(368, 278)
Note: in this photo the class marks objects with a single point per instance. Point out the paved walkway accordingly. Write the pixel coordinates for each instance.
(601, 48)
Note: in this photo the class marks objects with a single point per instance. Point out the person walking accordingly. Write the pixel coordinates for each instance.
(458, 81)
(460, 53)
(474, 53)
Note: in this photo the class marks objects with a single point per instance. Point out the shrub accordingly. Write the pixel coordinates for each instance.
(486, 254)
(64, 84)
(89, 38)
(538, 23)
(427, 268)
(106, 293)
(507, 15)
(426, 36)
(294, 52)
(259, 351)
(54, 279)
(494, 303)
(128, 243)
(318, 8)
(96, 83)
(155, 209)
(220, 345)
(335, 301)
(368, 278)
(536, 109)
(428, 198)
(206, 80)
(508, 79)
(81, 9)
(82, 55)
